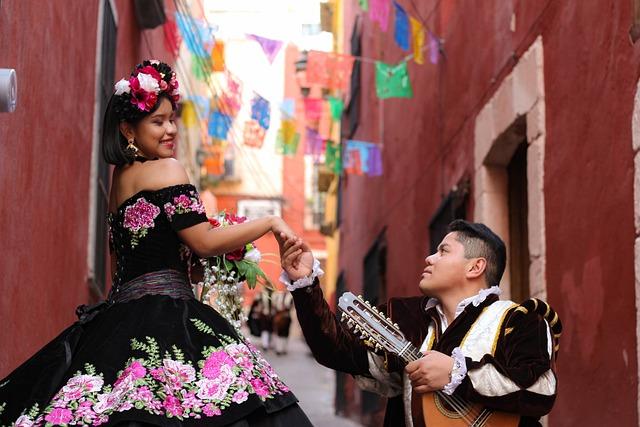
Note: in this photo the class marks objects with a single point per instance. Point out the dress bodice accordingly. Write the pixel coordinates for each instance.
(143, 230)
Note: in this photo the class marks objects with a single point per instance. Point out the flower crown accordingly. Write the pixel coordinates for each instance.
(139, 94)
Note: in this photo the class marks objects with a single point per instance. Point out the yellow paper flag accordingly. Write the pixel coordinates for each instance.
(417, 33)
(189, 117)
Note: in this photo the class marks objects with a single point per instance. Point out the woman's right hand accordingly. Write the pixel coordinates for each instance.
(279, 228)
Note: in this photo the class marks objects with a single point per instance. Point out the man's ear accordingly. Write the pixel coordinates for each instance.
(476, 268)
(127, 131)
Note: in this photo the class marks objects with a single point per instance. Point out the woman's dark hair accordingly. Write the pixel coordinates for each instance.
(133, 100)
(480, 242)
(114, 144)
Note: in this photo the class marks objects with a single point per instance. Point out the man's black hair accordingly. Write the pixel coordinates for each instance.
(480, 242)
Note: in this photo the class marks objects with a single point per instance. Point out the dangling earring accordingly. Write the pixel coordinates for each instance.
(131, 148)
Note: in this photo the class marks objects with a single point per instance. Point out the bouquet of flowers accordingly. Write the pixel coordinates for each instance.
(223, 275)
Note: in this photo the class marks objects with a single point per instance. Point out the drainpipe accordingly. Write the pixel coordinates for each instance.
(8, 90)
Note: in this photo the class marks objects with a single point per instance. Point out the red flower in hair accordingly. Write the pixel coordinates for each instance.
(141, 98)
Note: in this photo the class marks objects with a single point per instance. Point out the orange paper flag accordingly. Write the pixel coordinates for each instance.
(217, 56)
(417, 33)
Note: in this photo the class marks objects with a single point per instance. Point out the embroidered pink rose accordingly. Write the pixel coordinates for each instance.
(214, 362)
(211, 390)
(139, 218)
(173, 406)
(211, 410)
(184, 204)
(259, 387)
(240, 396)
(59, 416)
(178, 373)
(79, 385)
(134, 371)
(24, 421)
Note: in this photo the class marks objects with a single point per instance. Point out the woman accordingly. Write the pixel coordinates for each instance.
(151, 353)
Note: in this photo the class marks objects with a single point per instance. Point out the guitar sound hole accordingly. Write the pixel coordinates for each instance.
(455, 410)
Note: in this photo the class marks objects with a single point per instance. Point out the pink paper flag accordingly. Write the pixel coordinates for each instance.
(379, 12)
(434, 48)
(269, 46)
(313, 108)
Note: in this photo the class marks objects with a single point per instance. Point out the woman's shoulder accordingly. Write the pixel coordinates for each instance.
(163, 173)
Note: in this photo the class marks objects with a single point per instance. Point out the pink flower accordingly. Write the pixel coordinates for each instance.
(150, 70)
(173, 406)
(77, 386)
(157, 374)
(182, 201)
(169, 209)
(178, 373)
(240, 396)
(233, 219)
(214, 222)
(210, 410)
(135, 371)
(142, 99)
(214, 363)
(59, 416)
(260, 388)
(140, 215)
(211, 390)
(236, 255)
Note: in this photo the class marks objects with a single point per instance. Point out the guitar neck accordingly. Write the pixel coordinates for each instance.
(408, 352)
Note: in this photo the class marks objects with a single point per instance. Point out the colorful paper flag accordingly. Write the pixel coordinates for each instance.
(219, 125)
(202, 105)
(340, 66)
(392, 81)
(172, 39)
(434, 48)
(253, 134)
(270, 47)
(288, 108)
(200, 67)
(336, 105)
(364, 5)
(329, 70)
(374, 167)
(313, 108)
(260, 111)
(214, 160)
(288, 138)
(314, 145)
(188, 115)
(417, 33)
(217, 56)
(379, 12)
(401, 31)
(333, 157)
(196, 34)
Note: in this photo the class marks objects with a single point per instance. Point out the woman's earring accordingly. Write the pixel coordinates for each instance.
(131, 148)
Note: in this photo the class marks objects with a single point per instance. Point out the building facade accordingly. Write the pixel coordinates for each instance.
(525, 124)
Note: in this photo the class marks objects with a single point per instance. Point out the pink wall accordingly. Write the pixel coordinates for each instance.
(45, 161)
(45, 152)
(590, 72)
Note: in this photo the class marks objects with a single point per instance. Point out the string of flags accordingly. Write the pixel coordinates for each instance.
(328, 70)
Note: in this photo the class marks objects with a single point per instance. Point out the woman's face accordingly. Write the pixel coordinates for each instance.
(155, 134)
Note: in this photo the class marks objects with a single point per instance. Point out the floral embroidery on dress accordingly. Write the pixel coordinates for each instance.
(138, 219)
(168, 386)
(184, 204)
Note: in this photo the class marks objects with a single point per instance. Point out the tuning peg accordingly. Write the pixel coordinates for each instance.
(396, 325)
(359, 297)
(378, 347)
(350, 323)
(368, 303)
(375, 309)
(343, 316)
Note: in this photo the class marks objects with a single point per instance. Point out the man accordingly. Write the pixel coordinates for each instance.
(476, 347)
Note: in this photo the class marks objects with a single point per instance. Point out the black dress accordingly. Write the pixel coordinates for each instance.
(151, 353)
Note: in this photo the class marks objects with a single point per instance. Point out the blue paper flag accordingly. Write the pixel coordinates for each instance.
(288, 108)
(197, 35)
(219, 125)
(260, 111)
(401, 32)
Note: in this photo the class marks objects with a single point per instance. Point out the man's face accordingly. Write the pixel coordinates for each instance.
(445, 269)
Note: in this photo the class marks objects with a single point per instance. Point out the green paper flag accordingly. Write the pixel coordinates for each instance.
(336, 106)
(364, 4)
(392, 81)
(333, 158)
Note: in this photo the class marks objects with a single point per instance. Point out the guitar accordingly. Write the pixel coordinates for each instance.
(438, 408)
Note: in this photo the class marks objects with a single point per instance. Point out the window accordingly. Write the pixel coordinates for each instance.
(518, 250)
(106, 76)
(453, 207)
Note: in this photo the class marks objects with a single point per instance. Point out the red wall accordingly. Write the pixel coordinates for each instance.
(590, 73)
(45, 161)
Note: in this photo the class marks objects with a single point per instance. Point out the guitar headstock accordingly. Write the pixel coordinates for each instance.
(369, 324)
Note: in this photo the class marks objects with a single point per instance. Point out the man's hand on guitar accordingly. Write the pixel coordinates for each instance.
(296, 258)
(430, 373)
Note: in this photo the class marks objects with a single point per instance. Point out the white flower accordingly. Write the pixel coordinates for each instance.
(154, 61)
(122, 87)
(24, 421)
(253, 255)
(148, 83)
